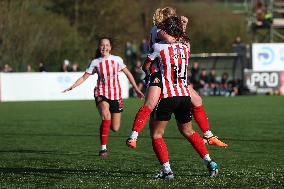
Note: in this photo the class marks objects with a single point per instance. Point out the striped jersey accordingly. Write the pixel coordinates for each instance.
(107, 69)
(173, 66)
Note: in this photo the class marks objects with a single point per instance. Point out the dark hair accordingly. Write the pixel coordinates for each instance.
(98, 52)
(173, 26)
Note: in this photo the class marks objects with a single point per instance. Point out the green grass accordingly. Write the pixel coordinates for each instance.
(55, 145)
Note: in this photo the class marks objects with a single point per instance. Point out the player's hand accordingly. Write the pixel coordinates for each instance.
(68, 89)
(187, 44)
(139, 93)
(184, 21)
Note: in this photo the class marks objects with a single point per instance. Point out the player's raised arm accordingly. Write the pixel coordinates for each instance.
(78, 82)
(166, 37)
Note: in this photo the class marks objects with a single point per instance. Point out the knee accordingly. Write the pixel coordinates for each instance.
(197, 101)
(186, 131)
(150, 105)
(105, 115)
(156, 135)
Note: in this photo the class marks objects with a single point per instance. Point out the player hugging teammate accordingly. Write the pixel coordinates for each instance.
(175, 97)
(154, 90)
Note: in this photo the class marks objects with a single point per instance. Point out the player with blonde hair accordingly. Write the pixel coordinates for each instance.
(154, 87)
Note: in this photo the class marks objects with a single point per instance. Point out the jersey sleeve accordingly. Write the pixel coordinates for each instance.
(156, 53)
(121, 64)
(154, 36)
(91, 68)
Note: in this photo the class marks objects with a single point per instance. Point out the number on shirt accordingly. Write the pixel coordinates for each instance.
(179, 73)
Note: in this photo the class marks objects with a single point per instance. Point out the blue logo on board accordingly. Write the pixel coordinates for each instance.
(265, 56)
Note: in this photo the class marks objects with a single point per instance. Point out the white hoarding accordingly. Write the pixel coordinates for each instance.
(268, 56)
(49, 86)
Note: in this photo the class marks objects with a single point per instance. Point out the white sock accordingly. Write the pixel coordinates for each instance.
(166, 167)
(206, 159)
(208, 134)
(134, 134)
(103, 147)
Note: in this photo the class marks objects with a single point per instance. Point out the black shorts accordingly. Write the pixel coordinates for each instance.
(156, 80)
(115, 106)
(179, 105)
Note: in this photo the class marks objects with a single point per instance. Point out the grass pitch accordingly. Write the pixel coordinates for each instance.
(55, 145)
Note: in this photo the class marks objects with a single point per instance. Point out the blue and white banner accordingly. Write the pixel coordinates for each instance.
(268, 56)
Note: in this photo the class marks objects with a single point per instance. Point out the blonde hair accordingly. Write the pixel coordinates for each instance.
(162, 13)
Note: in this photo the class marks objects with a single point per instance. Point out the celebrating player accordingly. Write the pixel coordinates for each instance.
(107, 91)
(175, 98)
(154, 88)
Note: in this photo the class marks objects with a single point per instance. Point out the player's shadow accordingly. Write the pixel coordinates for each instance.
(192, 174)
(81, 135)
(141, 137)
(71, 171)
(60, 173)
(46, 152)
(48, 135)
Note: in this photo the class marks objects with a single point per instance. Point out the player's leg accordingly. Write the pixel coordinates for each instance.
(159, 119)
(198, 144)
(115, 121)
(151, 100)
(116, 107)
(183, 117)
(103, 108)
(160, 148)
(201, 119)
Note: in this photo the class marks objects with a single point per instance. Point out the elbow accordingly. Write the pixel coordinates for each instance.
(85, 76)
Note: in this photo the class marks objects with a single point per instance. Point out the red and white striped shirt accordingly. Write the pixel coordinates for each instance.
(173, 66)
(107, 69)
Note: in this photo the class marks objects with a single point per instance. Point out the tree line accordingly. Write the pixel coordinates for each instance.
(50, 31)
